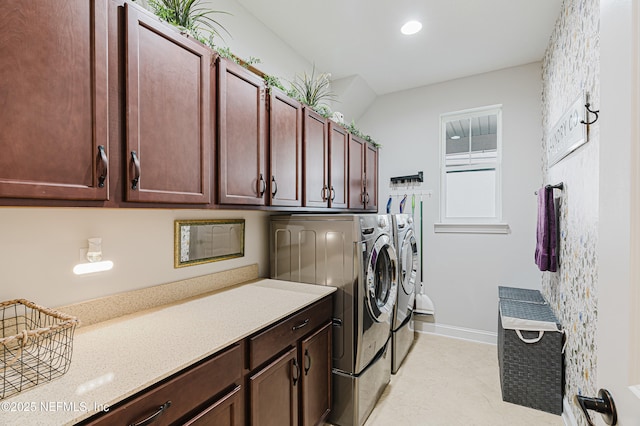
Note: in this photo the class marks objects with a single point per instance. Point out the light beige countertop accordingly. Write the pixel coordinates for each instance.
(115, 359)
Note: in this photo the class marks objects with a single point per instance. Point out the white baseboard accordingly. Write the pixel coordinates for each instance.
(567, 414)
(479, 336)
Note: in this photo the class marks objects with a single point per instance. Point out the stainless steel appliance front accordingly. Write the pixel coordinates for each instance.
(354, 253)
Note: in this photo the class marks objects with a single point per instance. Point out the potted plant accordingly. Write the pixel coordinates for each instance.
(190, 17)
(313, 90)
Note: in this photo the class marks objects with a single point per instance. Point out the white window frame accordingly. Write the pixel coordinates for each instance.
(471, 224)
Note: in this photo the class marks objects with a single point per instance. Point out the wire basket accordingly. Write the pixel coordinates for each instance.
(35, 345)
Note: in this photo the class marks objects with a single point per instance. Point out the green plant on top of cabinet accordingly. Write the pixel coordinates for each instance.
(242, 135)
(325, 161)
(363, 174)
(168, 135)
(53, 92)
(285, 150)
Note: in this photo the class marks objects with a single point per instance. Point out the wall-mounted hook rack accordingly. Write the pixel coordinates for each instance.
(587, 106)
(404, 179)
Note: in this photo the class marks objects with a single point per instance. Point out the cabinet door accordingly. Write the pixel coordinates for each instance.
(356, 172)
(53, 92)
(338, 166)
(371, 177)
(241, 135)
(285, 142)
(226, 411)
(168, 123)
(316, 376)
(274, 392)
(316, 159)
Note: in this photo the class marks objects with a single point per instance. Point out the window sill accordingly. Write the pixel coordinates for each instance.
(471, 228)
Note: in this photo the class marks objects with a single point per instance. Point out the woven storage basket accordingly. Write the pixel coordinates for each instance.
(35, 345)
(531, 361)
(515, 293)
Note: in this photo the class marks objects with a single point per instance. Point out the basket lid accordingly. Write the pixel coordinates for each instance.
(521, 294)
(519, 315)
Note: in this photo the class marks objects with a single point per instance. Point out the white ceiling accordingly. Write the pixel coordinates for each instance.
(362, 37)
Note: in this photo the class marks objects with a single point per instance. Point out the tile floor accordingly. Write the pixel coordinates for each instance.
(451, 382)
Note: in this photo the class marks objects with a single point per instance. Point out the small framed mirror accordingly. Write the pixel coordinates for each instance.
(203, 241)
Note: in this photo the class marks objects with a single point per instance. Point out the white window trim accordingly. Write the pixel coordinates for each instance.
(490, 225)
(471, 228)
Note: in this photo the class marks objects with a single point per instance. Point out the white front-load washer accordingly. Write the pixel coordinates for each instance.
(402, 331)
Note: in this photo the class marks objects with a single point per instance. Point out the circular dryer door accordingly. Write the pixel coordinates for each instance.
(408, 263)
(382, 281)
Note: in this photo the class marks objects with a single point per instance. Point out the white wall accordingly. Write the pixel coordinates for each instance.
(250, 37)
(462, 271)
(40, 246)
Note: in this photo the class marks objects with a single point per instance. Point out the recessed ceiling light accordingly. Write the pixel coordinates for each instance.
(411, 27)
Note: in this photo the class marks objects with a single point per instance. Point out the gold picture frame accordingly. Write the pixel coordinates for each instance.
(207, 240)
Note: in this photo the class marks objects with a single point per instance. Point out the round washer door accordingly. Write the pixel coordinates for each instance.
(409, 263)
(381, 279)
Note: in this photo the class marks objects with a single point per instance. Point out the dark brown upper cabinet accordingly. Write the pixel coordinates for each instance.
(325, 162)
(363, 174)
(371, 177)
(53, 91)
(338, 165)
(242, 135)
(168, 123)
(285, 150)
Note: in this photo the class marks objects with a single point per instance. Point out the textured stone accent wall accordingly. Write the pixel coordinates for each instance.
(571, 67)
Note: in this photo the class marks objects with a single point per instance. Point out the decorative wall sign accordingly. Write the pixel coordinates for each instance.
(568, 134)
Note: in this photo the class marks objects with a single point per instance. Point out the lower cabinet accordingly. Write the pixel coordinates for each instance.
(279, 376)
(315, 379)
(200, 392)
(274, 392)
(226, 411)
(294, 386)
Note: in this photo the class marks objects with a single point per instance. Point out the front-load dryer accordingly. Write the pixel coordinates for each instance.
(402, 332)
(355, 254)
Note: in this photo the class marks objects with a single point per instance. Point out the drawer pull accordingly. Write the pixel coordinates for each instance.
(299, 326)
(152, 418)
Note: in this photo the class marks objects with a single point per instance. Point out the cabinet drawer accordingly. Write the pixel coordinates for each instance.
(223, 412)
(270, 342)
(185, 391)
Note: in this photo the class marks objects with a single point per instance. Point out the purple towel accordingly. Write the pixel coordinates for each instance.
(547, 233)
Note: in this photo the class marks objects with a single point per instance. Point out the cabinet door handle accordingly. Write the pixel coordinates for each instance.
(296, 371)
(366, 198)
(307, 362)
(136, 170)
(333, 193)
(103, 161)
(153, 417)
(324, 192)
(263, 186)
(300, 325)
(273, 182)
